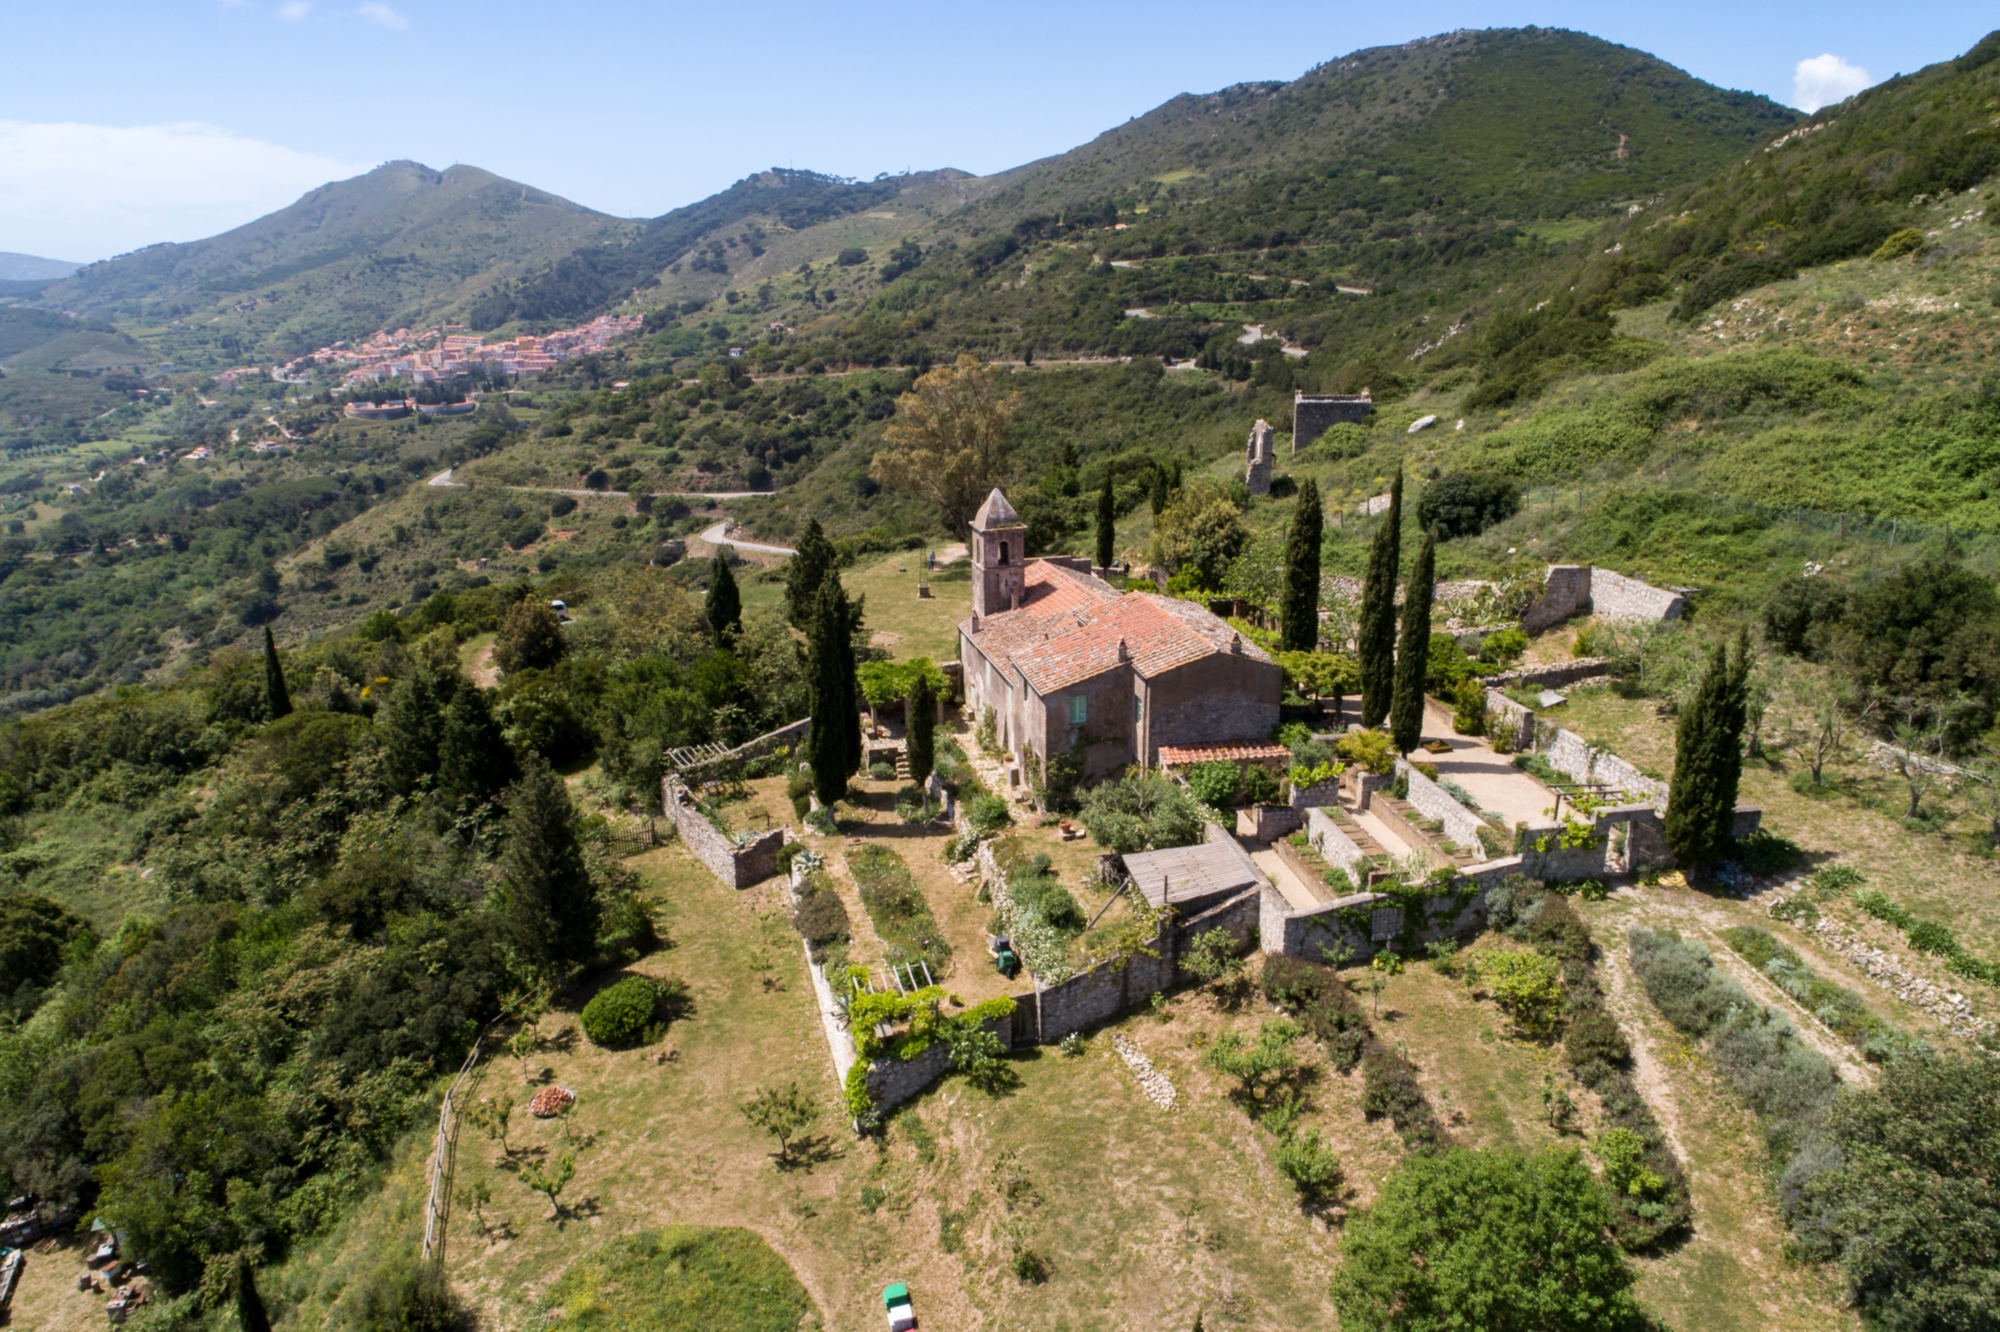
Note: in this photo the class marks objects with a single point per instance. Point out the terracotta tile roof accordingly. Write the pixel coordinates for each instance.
(1174, 756)
(1072, 626)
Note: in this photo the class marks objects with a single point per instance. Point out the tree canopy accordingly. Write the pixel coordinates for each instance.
(950, 441)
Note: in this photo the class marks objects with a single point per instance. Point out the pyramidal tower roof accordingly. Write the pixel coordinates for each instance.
(996, 512)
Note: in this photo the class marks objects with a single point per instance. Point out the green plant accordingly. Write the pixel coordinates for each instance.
(1072, 1044)
(1371, 750)
(1708, 761)
(1623, 1153)
(1463, 1230)
(1413, 652)
(1557, 1107)
(882, 771)
(549, 1180)
(1527, 986)
(784, 1113)
(625, 1012)
(677, 1279)
(1313, 1167)
(987, 814)
(1377, 629)
(1215, 783)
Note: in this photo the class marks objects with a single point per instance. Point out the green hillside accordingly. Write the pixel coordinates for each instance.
(398, 246)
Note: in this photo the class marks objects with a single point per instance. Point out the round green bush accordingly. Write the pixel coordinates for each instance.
(622, 1013)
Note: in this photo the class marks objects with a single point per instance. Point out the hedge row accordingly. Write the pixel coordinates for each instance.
(1323, 1005)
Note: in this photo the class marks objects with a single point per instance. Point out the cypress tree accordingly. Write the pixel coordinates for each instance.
(833, 754)
(547, 904)
(1413, 654)
(810, 565)
(1158, 498)
(1300, 613)
(922, 707)
(1107, 519)
(846, 676)
(1377, 630)
(277, 699)
(724, 606)
(475, 761)
(410, 727)
(1708, 763)
(250, 1313)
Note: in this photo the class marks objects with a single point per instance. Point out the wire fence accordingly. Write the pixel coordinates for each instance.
(444, 1159)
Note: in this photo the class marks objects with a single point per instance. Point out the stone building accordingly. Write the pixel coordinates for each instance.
(1313, 413)
(1257, 456)
(1070, 665)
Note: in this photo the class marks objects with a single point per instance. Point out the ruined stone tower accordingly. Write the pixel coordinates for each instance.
(998, 539)
(1257, 475)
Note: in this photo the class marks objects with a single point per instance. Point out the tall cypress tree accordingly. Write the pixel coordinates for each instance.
(547, 904)
(1377, 630)
(1158, 497)
(834, 747)
(277, 698)
(1301, 606)
(724, 605)
(1413, 653)
(1708, 763)
(809, 567)
(1107, 519)
(475, 761)
(922, 732)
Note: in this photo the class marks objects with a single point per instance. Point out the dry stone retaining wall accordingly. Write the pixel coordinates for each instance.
(1429, 799)
(738, 865)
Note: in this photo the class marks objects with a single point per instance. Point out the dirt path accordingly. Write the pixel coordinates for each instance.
(483, 672)
(1622, 998)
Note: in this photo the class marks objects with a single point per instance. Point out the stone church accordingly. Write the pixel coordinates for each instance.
(1070, 665)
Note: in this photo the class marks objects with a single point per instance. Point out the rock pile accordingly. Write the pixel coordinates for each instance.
(550, 1102)
(1151, 1081)
(1949, 1007)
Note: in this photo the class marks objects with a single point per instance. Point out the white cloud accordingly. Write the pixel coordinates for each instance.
(1824, 80)
(382, 14)
(294, 11)
(85, 192)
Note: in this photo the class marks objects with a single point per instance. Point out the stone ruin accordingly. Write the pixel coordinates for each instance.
(1313, 413)
(1578, 589)
(1257, 475)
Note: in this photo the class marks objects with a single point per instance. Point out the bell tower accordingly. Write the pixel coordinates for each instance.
(998, 535)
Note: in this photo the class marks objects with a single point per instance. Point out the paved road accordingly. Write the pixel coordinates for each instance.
(717, 536)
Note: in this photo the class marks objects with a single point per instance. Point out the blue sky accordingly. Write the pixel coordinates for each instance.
(124, 122)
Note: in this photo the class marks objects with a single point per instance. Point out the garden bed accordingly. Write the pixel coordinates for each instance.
(898, 909)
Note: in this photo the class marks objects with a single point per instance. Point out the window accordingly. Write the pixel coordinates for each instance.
(1003, 552)
(1079, 708)
(1138, 709)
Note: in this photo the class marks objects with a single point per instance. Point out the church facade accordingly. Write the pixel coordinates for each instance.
(1071, 666)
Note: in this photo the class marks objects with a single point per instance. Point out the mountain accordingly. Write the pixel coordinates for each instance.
(399, 245)
(30, 268)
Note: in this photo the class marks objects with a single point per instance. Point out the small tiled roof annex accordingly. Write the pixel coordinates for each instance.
(1176, 756)
(1072, 627)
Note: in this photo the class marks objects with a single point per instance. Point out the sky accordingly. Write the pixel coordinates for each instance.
(128, 122)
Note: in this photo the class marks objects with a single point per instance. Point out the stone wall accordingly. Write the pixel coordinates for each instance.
(1311, 415)
(1509, 721)
(1568, 753)
(1565, 592)
(1554, 674)
(1616, 597)
(1267, 823)
(1363, 923)
(1429, 799)
(1257, 459)
(893, 1081)
(792, 735)
(1094, 997)
(1335, 847)
(1576, 589)
(752, 861)
(1308, 797)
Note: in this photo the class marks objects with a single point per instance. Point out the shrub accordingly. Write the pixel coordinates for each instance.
(1143, 810)
(882, 772)
(1594, 1034)
(1528, 987)
(1259, 786)
(1372, 750)
(1623, 1153)
(624, 1012)
(1467, 503)
(1681, 980)
(987, 814)
(1519, 1239)
(1878, 905)
(820, 917)
(1503, 647)
(1907, 241)
(1837, 879)
(1313, 1168)
(1315, 995)
(1389, 1087)
(1927, 936)
(1215, 783)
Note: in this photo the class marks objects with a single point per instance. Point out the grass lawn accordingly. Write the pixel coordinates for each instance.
(898, 621)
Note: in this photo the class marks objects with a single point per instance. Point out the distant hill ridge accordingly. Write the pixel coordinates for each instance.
(32, 268)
